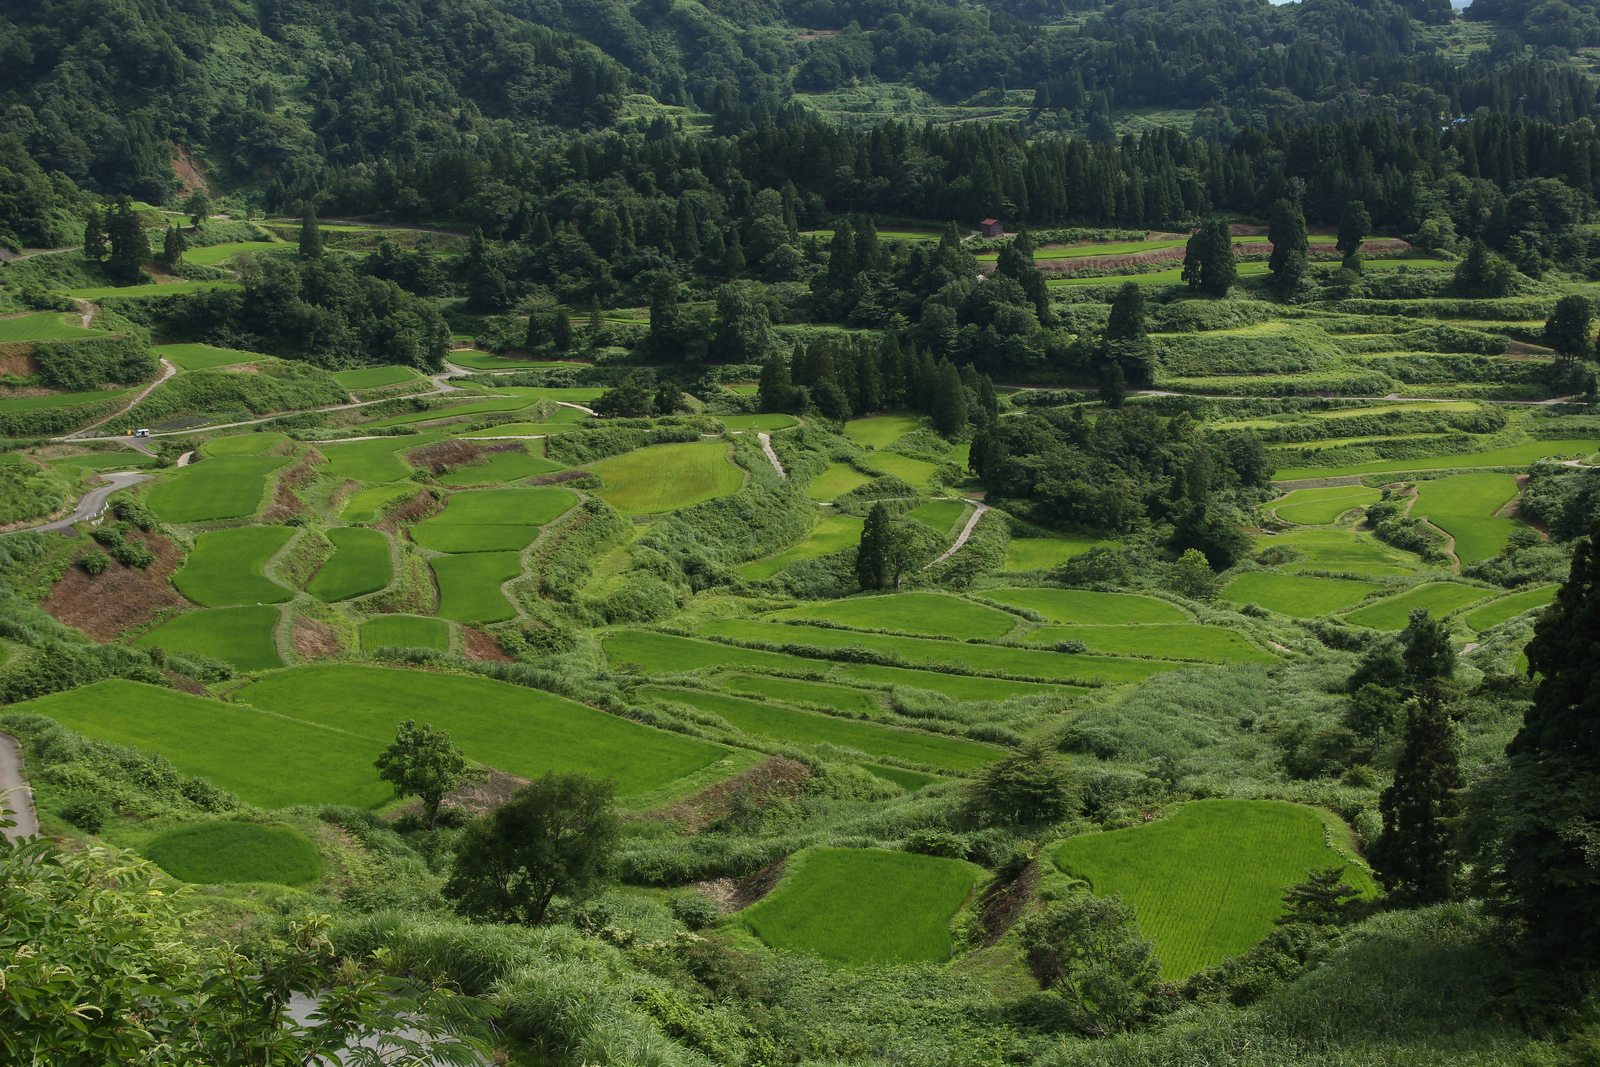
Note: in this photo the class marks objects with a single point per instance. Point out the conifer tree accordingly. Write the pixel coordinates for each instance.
(733, 261)
(173, 245)
(310, 234)
(94, 235)
(1567, 330)
(949, 409)
(776, 389)
(1208, 263)
(563, 331)
(872, 555)
(1354, 222)
(1414, 856)
(1287, 233)
(1126, 322)
(129, 246)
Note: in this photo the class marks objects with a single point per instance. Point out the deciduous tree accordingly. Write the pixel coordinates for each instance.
(422, 762)
(1087, 950)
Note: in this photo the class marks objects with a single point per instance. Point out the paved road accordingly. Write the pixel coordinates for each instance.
(94, 501)
(772, 457)
(14, 791)
(167, 371)
(966, 532)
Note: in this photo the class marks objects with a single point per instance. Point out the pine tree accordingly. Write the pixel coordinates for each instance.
(1549, 879)
(1414, 857)
(872, 556)
(1287, 233)
(1126, 321)
(776, 390)
(949, 409)
(310, 234)
(94, 235)
(1354, 222)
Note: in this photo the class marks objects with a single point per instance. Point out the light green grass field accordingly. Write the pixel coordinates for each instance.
(661, 478)
(940, 515)
(1342, 551)
(860, 906)
(215, 255)
(1299, 596)
(881, 431)
(832, 533)
(1186, 641)
(1466, 507)
(377, 460)
(243, 444)
(226, 567)
(1439, 598)
(375, 377)
(1513, 456)
(205, 357)
(404, 631)
(1025, 554)
(365, 505)
(43, 326)
(469, 586)
(240, 636)
(531, 506)
(142, 292)
(914, 472)
(754, 423)
(212, 853)
(226, 488)
(838, 697)
(522, 731)
(1077, 606)
(360, 564)
(935, 614)
(1207, 881)
(56, 401)
(1508, 607)
(1322, 505)
(464, 537)
(785, 723)
(835, 481)
(501, 467)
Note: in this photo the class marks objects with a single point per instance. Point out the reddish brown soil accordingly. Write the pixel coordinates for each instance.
(1004, 902)
(732, 894)
(443, 456)
(315, 640)
(482, 646)
(557, 477)
(416, 509)
(772, 777)
(187, 171)
(284, 501)
(119, 598)
(184, 684)
(18, 360)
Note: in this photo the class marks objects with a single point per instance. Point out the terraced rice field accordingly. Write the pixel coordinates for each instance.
(939, 515)
(205, 357)
(860, 906)
(226, 488)
(881, 431)
(360, 564)
(226, 567)
(215, 255)
(469, 585)
(1207, 881)
(1295, 595)
(143, 292)
(1437, 598)
(1342, 551)
(404, 631)
(839, 698)
(834, 482)
(1085, 606)
(662, 478)
(1313, 507)
(1024, 554)
(56, 401)
(244, 444)
(832, 533)
(43, 326)
(501, 468)
(492, 520)
(1467, 506)
(1509, 607)
(934, 614)
(376, 377)
(240, 636)
(914, 472)
(365, 505)
(1185, 641)
(226, 851)
(769, 423)
(380, 459)
(1512, 456)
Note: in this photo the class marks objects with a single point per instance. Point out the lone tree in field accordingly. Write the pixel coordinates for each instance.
(1126, 322)
(1549, 879)
(1569, 328)
(94, 235)
(1426, 650)
(1087, 950)
(1290, 249)
(310, 234)
(197, 205)
(1354, 222)
(1031, 786)
(129, 246)
(422, 762)
(1414, 857)
(1208, 264)
(884, 552)
(553, 838)
(173, 245)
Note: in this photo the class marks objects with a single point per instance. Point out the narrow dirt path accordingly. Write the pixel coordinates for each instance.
(772, 457)
(961, 538)
(15, 795)
(185, 459)
(87, 312)
(167, 371)
(580, 407)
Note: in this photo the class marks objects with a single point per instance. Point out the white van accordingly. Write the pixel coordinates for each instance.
(141, 433)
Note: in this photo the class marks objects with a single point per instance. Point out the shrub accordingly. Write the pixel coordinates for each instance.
(94, 561)
(694, 910)
(87, 813)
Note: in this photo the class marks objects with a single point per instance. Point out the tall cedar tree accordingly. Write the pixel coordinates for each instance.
(1287, 232)
(883, 553)
(949, 409)
(1567, 330)
(1208, 263)
(1126, 322)
(1414, 857)
(310, 234)
(563, 331)
(1550, 869)
(1354, 224)
(94, 235)
(776, 390)
(173, 245)
(129, 246)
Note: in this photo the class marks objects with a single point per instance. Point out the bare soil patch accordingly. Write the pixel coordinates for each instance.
(315, 640)
(735, 894)
(441, 457)
(482, 646)
(1004, 902)
(284, 501)
(416, 509)
(772, 777)
(120, 598)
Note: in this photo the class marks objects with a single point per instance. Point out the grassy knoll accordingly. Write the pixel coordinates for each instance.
(924, 651)
(210, 853)
(1207, 881)
(940, 515)
(1322, 505)
(1508, 607)
(880, 431)
(226, 567)
(375, 377)
(835, 481)
(1466, 507)
(1439, 598)
(784, 723)
(379, 459)
(908, 469)
(1342, 550)
(858, 906)
(360, 564)
(832, 533)
(205, 357)
(228, 488)
(936, 614)
(214, 255)
(469, 585)
(501, 467)
(364, 505)
(1185, 640)
(522, 731)
(1044, 553)
(1088, 606)
(1301, 596)
(838, 697)
(661, 478)
(1512, 456)
(404, 631)
(241, 636)
(243, 444)
(263, 759)
(42, 326)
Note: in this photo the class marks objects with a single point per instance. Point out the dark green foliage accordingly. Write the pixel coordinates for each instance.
(310, 234)
(1087, 951)
(1208, 261)
(884, 552)
(1481, 273)
(1415, 857)
(1287, 233)
(79, 366)
(631, 398)
(173, 245)
(553, 837)
(1030, 787)
(94, 235)
(1427, 651)
(422, 762)
(1569, 328)
(1354, 223)
(129, 246)
(1323, 899)
(1127, 320)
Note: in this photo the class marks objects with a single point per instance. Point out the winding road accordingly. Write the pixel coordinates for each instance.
(167, 371)
(772, 457)
(966, 532)
(92, 505)
(14, 792)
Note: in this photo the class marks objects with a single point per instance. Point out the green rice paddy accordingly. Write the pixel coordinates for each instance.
(405, 631)
(1512, 456)
(1322, 505)
(1025, 554)
(835, 481)
(360, 564)
(1299, 596)
(1467, 507)
(241, 636)
(376, 377)
(226, 488)
(1182, 641)
(662, 478)
(205, 357)
(42, 326)
(226, 567)
(1509, 607)
(1080, 606)
(469, 585)
(934, 614)
(881, 431)
(832, 533)
(211, 853)
(1437, 598)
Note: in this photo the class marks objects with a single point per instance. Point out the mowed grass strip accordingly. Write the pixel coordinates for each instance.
(204, 357)
(835, 481)
(1184, 640)
(838, 697)
(1089, 606)
(405, 631)
(227, 850)
(263, 759)
(521, 731)
(360, 564)
(784, 723)
(661, 478)
(1315, 507)
(881, 431)
(1298, 596)
(1466, 506)
(1024, 554)
(226, 567)
(240, 636)
(43, 326)
(936, 614)
(1437, 598)
(1509, 607)
(926, 651)
(231, 487)
(860, 906)
(469, 585)
(832, 533)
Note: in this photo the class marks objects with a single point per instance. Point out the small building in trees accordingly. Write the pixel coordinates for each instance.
(992, 228)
